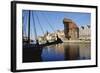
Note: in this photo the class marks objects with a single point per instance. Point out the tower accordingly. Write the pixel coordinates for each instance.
(71, 30)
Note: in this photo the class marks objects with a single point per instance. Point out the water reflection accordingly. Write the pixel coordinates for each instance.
(71, 51)
(59, 52)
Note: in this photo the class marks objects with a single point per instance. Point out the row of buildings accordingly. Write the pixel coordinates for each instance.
(71, 32)
(83, 33)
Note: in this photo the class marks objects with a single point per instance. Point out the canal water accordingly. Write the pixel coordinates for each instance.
(59, 52)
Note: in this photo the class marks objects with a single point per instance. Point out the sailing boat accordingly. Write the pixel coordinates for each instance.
(37, 45)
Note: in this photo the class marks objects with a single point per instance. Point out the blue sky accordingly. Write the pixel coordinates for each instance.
(51, 21)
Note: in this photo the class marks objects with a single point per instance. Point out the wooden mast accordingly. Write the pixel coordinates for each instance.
(29, 28)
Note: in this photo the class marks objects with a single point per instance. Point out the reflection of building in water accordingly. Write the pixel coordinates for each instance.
(71, 51)
(58, 48)
(77, 51)
(53, 53)
(70, 29)
(85, 51)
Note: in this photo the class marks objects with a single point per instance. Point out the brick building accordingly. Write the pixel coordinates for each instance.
(71, 30)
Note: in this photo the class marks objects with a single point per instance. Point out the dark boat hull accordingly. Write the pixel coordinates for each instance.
(32, 52)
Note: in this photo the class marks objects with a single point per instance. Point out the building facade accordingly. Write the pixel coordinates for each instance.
(71, 30)
(85, 32)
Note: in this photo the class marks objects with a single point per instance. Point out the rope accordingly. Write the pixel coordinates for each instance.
(29, 27)
(48, 22)
(39, 23)
(34, 26)
(24, 31)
